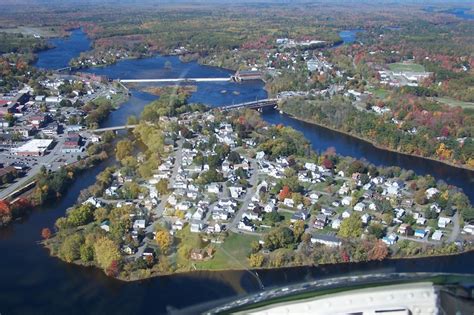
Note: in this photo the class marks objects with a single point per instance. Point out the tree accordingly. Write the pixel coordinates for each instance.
(420, 197)
(105, 252)
(298, 229)
(256, 260)
(45, 233)
(376, 230)
(351, 227)
(81, 215)
(123, 149)
(379, 251)
(69, 249)
(162, 187)
(279, 238)
(387, 218)
(284, 193)
(86, 252)
(255, 247)
(5, 212)
(164, 240)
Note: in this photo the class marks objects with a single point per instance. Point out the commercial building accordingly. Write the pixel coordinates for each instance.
(35, 147)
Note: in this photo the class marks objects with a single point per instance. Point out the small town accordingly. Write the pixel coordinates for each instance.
(228, 196)
(51, 125)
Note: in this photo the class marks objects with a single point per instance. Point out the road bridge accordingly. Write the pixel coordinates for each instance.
(269, 102)
(176, 80)
(114, 128)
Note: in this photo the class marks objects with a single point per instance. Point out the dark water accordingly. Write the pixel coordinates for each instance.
(31, 282)
(322, 138)
(65, 49)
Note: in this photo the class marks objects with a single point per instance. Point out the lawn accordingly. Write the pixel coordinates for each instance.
(400, 66)
(379, 92)
(231, 254)
(453, 102)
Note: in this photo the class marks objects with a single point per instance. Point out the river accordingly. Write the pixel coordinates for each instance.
(32, 282)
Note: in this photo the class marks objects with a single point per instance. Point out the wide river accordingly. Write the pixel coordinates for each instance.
(31, 282)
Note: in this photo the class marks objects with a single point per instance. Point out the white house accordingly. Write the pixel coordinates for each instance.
(289, 202)
(196, 227)
(430, 192)
(139, 224)
(346, 201)
(326, 239)
(437, 235)
(443, 222)
(359, 207)
(336, 224)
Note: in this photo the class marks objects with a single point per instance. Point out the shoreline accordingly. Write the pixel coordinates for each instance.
(373, 143)
(253, 271)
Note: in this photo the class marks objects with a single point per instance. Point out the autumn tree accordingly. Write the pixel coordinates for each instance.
(256, 260)
(5, 212)
(105, 252)
(164, 240)
(45, 233)
(284, 193)
(123, 149)
(378, 252)
(162, 187)
(298, 229)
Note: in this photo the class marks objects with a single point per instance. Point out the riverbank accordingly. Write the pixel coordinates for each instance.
(49, 243)
(310, 121)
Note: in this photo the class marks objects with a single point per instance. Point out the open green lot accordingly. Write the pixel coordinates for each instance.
(406, 66)
(232, 254)
(453, 102)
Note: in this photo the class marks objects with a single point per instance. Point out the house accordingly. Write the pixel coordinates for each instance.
(346, 201)
(326, 239)
(105, 225)
(178, 225)
(213, 188)
(437, 235)
(366, 218)
(260, 155)
(420, 233)
(246, 225)
(252, 216)
(148, 252)
(443, 222)
(196, 227)
(289, 202)
(405, 229)
(139, 224)
(359, 207)
(390, 239)
(346, 214)
(299, 216)
(270, 206)
(421, 221)
(468, 229)
(431, 192)
(235, 192)
(336, 224)
(197, 254)
(321, 221)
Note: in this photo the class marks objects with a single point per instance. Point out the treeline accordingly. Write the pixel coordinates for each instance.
(420, 126)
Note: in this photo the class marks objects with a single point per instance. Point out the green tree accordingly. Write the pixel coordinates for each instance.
(70, 247)
(351, 227)
(105, 252)
(256, 260)
(162, 187)
(123, 149)
(279, 238)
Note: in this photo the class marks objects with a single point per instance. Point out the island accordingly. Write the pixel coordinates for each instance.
(201, 189)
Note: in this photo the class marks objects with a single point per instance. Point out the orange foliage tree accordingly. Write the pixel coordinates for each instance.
(285, 192)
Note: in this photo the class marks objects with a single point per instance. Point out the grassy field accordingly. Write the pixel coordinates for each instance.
(399, 66)
(453, 102)
(379, 92)
(231, 254)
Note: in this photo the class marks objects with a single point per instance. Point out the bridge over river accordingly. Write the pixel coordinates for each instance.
(176, 80)
(269, 102)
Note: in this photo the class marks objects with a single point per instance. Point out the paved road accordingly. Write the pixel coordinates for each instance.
(42, 161)
(247, 199)
(158, 211)
(456, 228)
